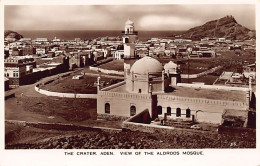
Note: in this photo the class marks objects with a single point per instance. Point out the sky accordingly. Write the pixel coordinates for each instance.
(113, 17)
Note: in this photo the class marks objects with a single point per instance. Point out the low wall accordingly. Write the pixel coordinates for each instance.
(212, 87)
(65, 75)
(111, 117)
(103, 61)
(102, 75)
(106, 71)
(113, 86)
(60, 94)
(151, 128)
(135, 124)
(142, 117)
(57, 126)
(67, 95)
(9, 96)
(201, 74)
(48, 82)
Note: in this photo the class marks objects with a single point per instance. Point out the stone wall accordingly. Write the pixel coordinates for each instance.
(142, 117)
(103, 61)
(111, 117)
(60, 126)
(66, 95)
(113, 86)
(43, 125)
(201, 74)
(9, 96)
(106, 71)
(59, 94)
(150, 128)
(213, 87)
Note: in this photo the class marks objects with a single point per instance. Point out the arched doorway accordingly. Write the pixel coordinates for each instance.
(159, 110)
(169, 111)
(132, 110)
(126, 40)
(107, 108)
(178, 112)
(188, 113)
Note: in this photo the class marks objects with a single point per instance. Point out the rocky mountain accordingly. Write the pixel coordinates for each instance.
(226, 27)
(12, 34)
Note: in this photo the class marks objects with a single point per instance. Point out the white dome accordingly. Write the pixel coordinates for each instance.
(170, 65)
(146, 65)
(129, 22)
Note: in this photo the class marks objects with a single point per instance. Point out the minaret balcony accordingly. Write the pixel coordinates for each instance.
(130, 33)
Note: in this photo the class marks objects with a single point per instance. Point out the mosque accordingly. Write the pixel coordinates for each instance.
(150, 85)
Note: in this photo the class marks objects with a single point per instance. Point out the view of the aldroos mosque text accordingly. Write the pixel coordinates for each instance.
(130, 76)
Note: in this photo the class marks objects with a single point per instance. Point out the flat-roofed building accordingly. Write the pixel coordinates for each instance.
(15, 69)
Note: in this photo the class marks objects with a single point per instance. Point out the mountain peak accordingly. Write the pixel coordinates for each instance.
(226, 27)
(12, 34)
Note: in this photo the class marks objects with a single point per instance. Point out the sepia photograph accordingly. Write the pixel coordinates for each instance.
(144, 76)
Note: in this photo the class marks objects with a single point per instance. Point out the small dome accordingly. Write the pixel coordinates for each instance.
(170, 65)
(146, 65)
(129, 22)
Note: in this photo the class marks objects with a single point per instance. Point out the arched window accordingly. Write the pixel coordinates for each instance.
(169, 111)
(132, 110)
(178, 112)
(107, 108)
(159, 110)
(188, 113)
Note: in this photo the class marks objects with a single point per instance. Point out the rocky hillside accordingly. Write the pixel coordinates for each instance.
(12, 34)
(20, 137)
(226, 27)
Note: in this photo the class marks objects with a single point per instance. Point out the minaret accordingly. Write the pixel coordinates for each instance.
(129, 39)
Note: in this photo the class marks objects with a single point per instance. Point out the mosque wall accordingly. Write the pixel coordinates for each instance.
(120, 103)
(228, 88)
(141, 87)
(157, 87)
(204, 110)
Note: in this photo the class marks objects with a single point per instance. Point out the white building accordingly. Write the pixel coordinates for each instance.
(129, 39)
(147, 85)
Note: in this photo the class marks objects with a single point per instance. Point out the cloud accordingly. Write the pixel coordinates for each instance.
(56, 17)
(113, 17)
(166, 22)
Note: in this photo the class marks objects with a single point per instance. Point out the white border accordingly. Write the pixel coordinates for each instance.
(221, 157)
